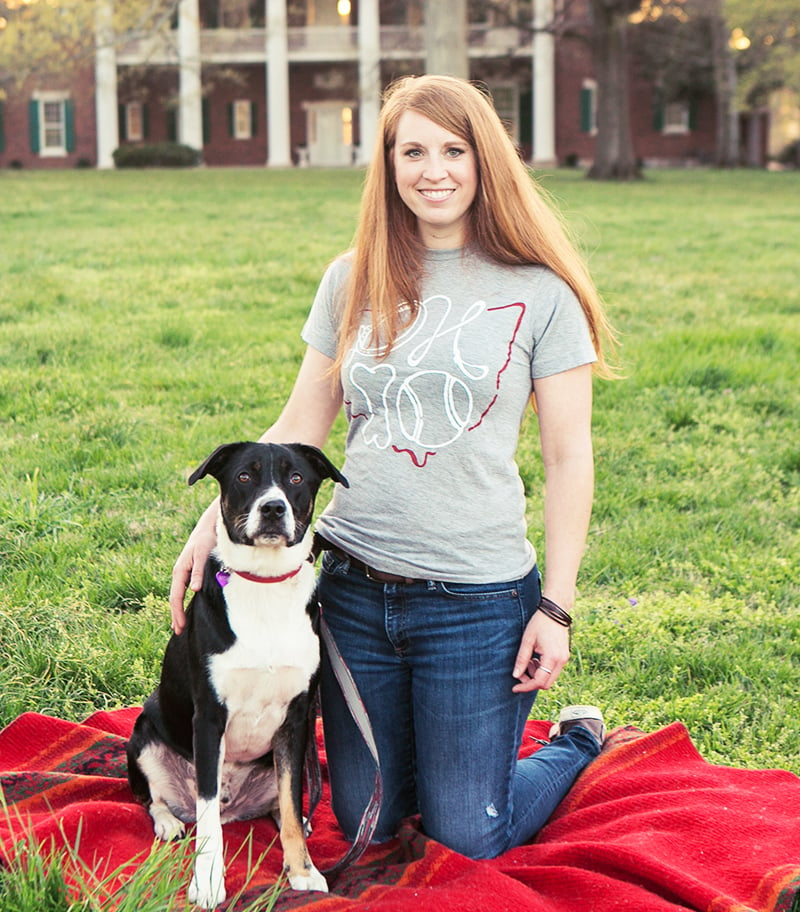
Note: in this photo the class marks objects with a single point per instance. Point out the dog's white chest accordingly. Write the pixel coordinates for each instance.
(257, 702)
(272, 661)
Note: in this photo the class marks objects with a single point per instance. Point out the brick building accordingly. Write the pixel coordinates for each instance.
(298, 82)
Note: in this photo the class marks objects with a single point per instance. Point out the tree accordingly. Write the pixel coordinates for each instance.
(446, 37)
(739, 50)
(48, 37)
(684, 49)
(725, 79)
(614, 157)
(766, 37)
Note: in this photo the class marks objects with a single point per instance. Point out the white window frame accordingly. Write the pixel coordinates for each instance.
(57, 149)
(499, 15)
(134, 121)
(242, 119)
(508, 110)
(676, 118)
(234, 14)
(347, 125)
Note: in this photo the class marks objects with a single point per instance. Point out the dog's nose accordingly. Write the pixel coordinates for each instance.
(273, 509)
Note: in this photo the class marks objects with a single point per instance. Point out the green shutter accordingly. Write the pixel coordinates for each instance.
(172, 125)
(253, 119)
(2, 130)
(206, 114)
(658, 116)
(693, 114)
(526, 118)
(586, 110)
(33, 125)
(231, 115)
(69, 125)
(122, 120)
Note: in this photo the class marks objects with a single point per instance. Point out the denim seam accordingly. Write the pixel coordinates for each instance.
(511, 826)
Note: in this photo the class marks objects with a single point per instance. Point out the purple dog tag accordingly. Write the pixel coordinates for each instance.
(223, 578)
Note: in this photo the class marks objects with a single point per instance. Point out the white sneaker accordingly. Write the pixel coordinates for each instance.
(588, 717)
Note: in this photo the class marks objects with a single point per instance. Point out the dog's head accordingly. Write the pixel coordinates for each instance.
(267, 490)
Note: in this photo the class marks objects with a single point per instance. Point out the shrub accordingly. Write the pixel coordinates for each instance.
(156, 155)
(791, 154)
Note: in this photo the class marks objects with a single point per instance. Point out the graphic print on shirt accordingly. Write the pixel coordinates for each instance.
(441, 380)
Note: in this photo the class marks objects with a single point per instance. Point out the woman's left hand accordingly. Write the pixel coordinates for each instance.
(543, 652)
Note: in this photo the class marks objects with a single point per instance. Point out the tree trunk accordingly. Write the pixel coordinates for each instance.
(727, 141)
(614, 157)
(446, 38)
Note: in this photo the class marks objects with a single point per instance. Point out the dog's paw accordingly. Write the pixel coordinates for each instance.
(309, 879)
(207, 887)
(166, 825)
(170, 832)
(207, 893)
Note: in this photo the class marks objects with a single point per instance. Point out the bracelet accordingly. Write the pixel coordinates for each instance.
(554, 612)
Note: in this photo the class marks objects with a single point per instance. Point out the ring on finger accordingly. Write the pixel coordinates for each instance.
(548, 670)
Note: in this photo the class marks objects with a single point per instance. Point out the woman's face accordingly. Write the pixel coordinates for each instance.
(437, 177)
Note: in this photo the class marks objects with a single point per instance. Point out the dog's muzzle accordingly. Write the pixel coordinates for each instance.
(271, 518)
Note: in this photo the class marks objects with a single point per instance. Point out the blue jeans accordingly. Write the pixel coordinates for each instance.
(433, 664)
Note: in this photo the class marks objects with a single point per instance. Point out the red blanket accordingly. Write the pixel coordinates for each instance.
(649, 827)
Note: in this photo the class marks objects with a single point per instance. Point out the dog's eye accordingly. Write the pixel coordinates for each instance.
(244, 477)
(295, 478)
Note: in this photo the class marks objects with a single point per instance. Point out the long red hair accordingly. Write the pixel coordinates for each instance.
(510, 220)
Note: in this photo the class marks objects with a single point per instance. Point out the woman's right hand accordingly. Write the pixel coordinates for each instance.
(190, 565)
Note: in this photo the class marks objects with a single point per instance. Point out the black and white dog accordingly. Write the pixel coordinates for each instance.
(224, 735)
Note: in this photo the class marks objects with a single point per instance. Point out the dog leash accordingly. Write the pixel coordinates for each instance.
(358, 712)
(355, 705)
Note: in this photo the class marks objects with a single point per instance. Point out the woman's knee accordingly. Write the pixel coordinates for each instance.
(477, 834)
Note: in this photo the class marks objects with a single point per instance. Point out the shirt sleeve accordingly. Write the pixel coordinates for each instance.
(321, 329)
(562, 340)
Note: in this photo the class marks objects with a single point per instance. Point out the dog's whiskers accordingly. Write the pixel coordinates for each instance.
(240, 524)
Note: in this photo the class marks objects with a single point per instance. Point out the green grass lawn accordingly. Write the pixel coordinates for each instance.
(147, 317)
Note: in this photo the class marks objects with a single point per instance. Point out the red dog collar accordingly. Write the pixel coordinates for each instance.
(224, 576)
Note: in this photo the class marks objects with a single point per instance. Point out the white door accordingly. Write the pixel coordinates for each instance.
(330, 133)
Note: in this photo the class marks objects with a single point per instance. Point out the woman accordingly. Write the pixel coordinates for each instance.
(461, 298)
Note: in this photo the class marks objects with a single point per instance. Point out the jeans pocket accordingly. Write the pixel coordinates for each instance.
(480, 591)
(335, 564)
(520, 596)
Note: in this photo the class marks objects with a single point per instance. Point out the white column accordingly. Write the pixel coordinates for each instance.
(369, 77)
(544, 85)
(278, 122)
(105, 85)
(190, 93)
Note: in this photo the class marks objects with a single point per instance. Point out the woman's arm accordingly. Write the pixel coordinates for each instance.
(564, 405)
(307, 417)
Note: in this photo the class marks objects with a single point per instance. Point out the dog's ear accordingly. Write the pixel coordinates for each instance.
(321, 463)
(215, 462)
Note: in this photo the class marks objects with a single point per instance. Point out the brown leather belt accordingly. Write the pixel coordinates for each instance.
(379, 576)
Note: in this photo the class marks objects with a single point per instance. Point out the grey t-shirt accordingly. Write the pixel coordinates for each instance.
(435, 492)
